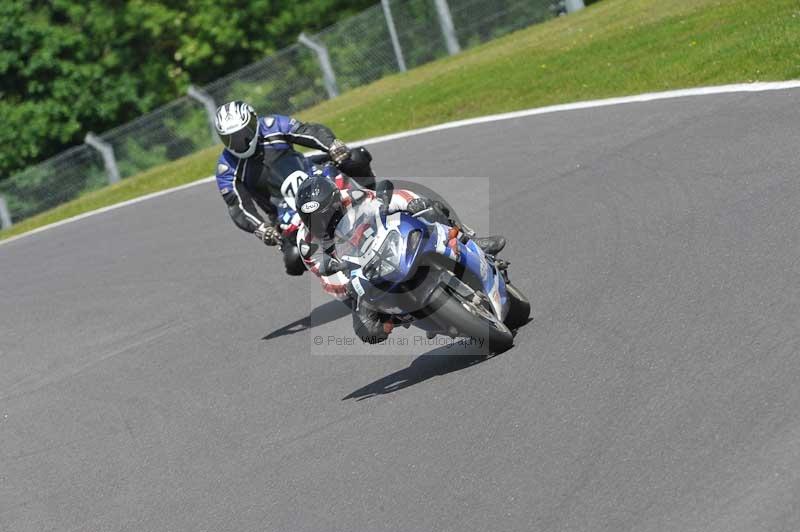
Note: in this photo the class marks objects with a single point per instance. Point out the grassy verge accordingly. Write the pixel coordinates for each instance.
(179, 172)
(613, 48)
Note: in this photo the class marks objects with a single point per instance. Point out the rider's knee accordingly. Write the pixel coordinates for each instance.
(293, 261)
(369, 328)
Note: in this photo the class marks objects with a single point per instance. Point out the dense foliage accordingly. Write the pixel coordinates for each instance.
(69, 66)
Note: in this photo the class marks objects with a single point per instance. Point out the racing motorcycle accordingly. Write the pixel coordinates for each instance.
(412, 271)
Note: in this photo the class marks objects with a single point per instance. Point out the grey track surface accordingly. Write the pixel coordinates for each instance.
(657, 389)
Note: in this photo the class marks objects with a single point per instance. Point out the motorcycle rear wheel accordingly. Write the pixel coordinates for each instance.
(292, 259)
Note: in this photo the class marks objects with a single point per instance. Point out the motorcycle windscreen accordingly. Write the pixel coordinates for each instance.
(356, 233)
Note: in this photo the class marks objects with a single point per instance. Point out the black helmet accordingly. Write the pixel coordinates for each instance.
(319, 204)
(237, 126)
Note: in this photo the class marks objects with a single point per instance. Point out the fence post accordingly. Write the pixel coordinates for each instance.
(574, 5)
(107, 152)
(328, 77)
(5, 215)
(446, 23)
(398, 51)
(210, 105)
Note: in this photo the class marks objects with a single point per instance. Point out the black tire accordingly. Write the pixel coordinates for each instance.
(292, 260)
(451, 311)
(295, 270)
(519, 308)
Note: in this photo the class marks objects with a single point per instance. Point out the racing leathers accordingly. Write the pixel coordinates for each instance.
(249, 183)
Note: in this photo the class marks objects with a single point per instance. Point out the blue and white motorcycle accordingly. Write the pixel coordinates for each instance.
(410, 270)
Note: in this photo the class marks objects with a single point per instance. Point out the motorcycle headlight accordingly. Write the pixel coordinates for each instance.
(413, 242)
(387, 259)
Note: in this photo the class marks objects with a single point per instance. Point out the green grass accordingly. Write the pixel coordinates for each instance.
(613, 48)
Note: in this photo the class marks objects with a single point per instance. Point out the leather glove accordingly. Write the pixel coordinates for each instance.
(339, 151)
(268, 234)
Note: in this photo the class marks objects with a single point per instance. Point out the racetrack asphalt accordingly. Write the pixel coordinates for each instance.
(158, 371)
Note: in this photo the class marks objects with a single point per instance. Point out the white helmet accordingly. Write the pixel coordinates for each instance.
(237, 127)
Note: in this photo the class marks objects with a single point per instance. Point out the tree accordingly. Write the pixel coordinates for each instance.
(71, 66)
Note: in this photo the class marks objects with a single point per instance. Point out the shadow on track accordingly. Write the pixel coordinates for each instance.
(328, 312)
(439, 361)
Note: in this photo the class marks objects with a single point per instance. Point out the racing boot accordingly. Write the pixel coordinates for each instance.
(435, 211)
(370, 326)
(491, 245)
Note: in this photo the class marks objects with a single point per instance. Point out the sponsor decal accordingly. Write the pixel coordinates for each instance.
(356, 284)
(309, 207)
(222, 168)
(269, 121)
(441, 240)
(224, 191)
(484, 267)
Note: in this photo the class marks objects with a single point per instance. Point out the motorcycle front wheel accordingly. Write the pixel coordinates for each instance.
(463, 318)
(519, 309)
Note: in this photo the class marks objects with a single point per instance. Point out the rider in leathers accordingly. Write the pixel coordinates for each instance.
(321, 204)
(259, 155)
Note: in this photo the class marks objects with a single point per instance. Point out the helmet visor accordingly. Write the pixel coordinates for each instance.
(239, 140)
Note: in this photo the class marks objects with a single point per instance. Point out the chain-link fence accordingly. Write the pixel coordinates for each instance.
(477, 21)
(283, 83)
(168, 133)
(360, 49)
(382, 40)
(52, 182)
